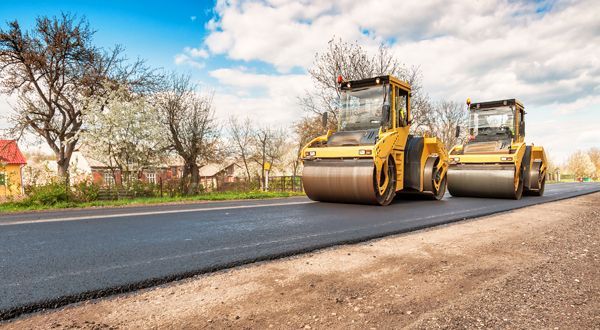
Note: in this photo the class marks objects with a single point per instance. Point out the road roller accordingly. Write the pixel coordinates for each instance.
(495, 161)
(371, 157)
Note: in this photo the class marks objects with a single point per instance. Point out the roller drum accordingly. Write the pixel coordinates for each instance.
(494, 181)
(340, 181)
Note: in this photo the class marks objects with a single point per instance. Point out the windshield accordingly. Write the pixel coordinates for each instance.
(361, 108)
(491, 123)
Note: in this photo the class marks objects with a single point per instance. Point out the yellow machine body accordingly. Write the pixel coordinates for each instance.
(499, 164)
(369, 166)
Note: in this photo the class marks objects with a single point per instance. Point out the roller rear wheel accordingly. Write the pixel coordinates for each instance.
(519, 192)
(385, 185)
(433, 182)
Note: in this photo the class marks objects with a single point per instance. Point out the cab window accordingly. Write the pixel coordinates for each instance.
(401, 107)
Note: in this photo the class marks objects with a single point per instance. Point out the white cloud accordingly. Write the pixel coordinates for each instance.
(267, 99)
(6, 103)
(546, 53)
(192, 57)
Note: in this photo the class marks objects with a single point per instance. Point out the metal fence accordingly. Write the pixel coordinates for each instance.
(285, 183)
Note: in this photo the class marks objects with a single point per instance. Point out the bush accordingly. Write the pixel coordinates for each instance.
(48, 194)
(86, 191)
(142, 189)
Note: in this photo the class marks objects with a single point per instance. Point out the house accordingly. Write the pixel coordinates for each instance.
(101, 173)
(212, 176)
(12, 162)
(217, 176)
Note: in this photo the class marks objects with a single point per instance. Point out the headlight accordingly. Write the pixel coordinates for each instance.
(364, 152)
(310, 153)
(506, 159)
(456, 159)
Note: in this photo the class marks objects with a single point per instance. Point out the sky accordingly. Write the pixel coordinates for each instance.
(254, 55)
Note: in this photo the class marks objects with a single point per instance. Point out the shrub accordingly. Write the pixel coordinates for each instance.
(49, 194)
(86, 191)
(142, 189)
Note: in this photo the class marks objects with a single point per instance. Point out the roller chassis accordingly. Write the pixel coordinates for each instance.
(340, 174)
(487, 175)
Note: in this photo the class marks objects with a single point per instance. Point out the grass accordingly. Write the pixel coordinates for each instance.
(21, 206)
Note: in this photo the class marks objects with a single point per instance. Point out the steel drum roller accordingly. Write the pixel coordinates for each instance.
(340, 181)
(495, 181)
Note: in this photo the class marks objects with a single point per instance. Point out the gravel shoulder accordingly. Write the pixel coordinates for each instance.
(537, 267)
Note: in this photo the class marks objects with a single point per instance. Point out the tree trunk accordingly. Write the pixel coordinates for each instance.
(262, 173)
(182, 183)
(195, 182)
(63, 168)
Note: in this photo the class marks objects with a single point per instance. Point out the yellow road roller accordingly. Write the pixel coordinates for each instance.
(495, 162)
(371, 157)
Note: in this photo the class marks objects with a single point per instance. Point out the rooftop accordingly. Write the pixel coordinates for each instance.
(10, 153)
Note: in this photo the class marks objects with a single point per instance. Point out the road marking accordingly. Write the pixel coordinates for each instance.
(134, 214)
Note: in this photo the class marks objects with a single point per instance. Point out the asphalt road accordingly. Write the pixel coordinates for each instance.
(49, 259)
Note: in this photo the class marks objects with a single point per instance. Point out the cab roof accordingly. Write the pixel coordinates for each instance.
(371, 81)
(494, 104)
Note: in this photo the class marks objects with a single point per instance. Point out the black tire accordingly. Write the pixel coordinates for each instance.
(539, 192)
(388, 196)
(519, 193)
(442, 191)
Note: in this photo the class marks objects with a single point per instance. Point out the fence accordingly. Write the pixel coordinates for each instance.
(276, 183)
(285, 183)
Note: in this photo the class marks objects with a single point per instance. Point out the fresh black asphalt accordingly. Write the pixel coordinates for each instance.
(49, 259)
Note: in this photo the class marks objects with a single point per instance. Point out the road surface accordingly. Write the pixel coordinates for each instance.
(48, 259)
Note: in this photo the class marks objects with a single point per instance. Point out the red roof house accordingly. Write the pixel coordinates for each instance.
(10, 153)
(11, 169)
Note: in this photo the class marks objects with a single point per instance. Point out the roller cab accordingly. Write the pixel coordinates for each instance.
(495, 162)
(371, 156)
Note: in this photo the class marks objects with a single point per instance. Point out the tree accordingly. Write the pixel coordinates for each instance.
(580, 165)
(241, 137)
(57, 72)
(594, 154)
(352, 61)
(268, 146)
(193, 134)
(443, 119)
(125, 135)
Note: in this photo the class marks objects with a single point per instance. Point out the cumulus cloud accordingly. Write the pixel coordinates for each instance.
(192, 56)
(546, 53)
(267, 99)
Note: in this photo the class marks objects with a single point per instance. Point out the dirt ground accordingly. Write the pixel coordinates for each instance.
(537, 267)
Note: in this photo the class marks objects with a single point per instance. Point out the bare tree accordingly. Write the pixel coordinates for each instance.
(352, 62)
(242, 135)
(268, 146)
(443, 119)
(580, 165)
(193, 132)
(56, 72)
(594, 154)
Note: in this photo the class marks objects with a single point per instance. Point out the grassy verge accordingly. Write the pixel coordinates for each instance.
(215, 196)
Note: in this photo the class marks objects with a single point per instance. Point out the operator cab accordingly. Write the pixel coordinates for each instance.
(367, 105)
(496, 121)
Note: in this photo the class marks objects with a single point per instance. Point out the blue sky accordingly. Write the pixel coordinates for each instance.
(153, 30)
(254, 54)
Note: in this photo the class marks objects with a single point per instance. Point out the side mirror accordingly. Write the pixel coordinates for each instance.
(385, 114)
(457, 131)
(324, 120)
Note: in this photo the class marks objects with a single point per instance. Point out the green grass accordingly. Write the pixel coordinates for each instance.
(213, 196)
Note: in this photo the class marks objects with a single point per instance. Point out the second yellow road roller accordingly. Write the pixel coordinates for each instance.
(495, 161)
(372, 157)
